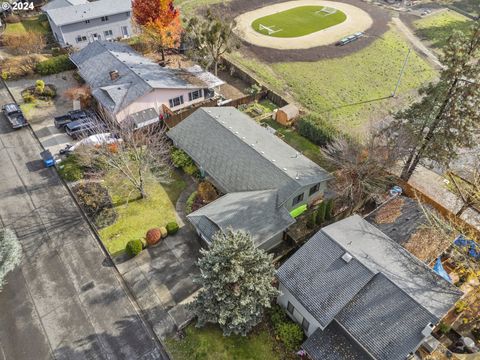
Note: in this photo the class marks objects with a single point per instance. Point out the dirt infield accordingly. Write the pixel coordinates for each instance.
(381, 17)
(357, 20)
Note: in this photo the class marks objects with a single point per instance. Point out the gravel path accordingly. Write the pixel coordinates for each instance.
(357, 20)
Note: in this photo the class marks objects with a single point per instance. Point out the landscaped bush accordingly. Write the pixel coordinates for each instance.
(172, 228)
(163, 231)
(153, 236)
(329, 209)
(180, 159)
(290, 334)
(444, 328)
(189, 202)
(40, 91)
(312, 220)
(321, 213)
(207, 192)
(96, 202)
(54, 65)
(191, 170)
(70, 169)
(316, 130)
(134, 247)
(27, 97)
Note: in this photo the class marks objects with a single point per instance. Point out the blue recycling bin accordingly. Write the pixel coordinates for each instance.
(47, 158)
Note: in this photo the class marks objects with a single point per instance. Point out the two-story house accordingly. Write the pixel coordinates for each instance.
(77, 23)
(127, 85)
(264, 179)
(360, 295)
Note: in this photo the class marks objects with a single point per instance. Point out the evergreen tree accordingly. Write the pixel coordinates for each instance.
(448, 114)
(236, 279)
(10, 253)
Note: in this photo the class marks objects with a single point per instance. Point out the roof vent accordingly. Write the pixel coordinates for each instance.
(114, 75)
(427, 330)
(347, 257)
(284, 169)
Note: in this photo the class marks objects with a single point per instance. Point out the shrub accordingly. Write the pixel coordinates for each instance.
(50, 92)
(207, 192)
(312, 220)
(172, 228)
(444, 328)
(12, 19)
(461, 306)
(39, 86)
(134, 247)
(329, 209)
(28, 97)
(277, 316)
(189, 202)
(316, 130)
(180, 159)
(54, 65)
(5, 75)
(163, 231)
(290, 334)
(96, 202)
(70, 169)
(153, 236)
(15, 67)
(321, 212)
(191, 170)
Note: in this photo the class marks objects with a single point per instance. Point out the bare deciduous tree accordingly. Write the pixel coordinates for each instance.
(136, 155)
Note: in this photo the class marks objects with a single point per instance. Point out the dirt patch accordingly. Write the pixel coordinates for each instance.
(390, 212)
(380, 16)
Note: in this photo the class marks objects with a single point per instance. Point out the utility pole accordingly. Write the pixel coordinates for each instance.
(401, 72)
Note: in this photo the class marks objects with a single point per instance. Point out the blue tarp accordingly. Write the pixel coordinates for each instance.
(473, 247)
(438, 268)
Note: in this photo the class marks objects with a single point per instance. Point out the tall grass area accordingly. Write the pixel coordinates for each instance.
(438, 27)
(352, 90)
(189, 7)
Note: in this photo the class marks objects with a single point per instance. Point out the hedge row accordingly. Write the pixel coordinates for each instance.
(317, 130)
(54, 65)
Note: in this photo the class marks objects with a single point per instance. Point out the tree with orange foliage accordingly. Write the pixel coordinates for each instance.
(160, 23)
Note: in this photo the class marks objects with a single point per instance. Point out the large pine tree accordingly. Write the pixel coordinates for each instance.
(448, 114)
(236, 279)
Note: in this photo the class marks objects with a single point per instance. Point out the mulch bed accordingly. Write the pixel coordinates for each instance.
(381, 17)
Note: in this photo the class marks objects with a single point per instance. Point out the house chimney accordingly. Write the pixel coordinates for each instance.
(347, 257)
(114, 75)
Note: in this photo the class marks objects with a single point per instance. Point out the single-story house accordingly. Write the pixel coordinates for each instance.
(360, 295)
(264, 179)
(77, 23)
(125, 83)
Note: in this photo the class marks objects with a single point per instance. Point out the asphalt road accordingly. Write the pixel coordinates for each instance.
(65, 301)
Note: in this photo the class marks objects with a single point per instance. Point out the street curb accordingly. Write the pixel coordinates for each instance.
(105, 252)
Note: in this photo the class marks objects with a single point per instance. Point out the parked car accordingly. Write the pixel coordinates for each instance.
(14, 115)
(349, 39)
(82, 128)
(74, 115)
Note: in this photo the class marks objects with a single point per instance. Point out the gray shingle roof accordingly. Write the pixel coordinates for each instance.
(379, 253)
(333, 343)
(77, 11)
(137, 74)
(321, 280)
(56, 4)
(240, 155)
(253, 212)
(386, 321)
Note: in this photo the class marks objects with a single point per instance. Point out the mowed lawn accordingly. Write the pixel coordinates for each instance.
(437, 28)
(299, 21)
(352, 90)
(137, 216)
(38, 24)
(208, 343)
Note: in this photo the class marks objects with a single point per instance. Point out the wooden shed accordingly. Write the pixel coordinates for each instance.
(287, 114)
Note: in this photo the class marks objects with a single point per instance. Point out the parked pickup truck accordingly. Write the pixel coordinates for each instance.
(14, 115)
(82, 128)
(74, 115)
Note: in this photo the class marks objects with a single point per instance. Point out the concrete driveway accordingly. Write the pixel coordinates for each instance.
(161, 279)
(41, 117)
(65, 300)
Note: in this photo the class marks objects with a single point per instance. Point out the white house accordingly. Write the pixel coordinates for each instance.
(77, 23)
(126, 84)
(360, 295)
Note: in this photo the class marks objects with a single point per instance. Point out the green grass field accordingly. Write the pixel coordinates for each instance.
(299, 21)
(437, 28)
(38, 24)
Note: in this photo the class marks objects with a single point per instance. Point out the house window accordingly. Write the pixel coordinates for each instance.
(297, 199)
(127, 13)
(87, 21)
(104, 18)
(124, 31)
(290, 308)
(81, 38)
(194, 95)
(108, 33)
(314, 189)
(176, 101)
(305, 324)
